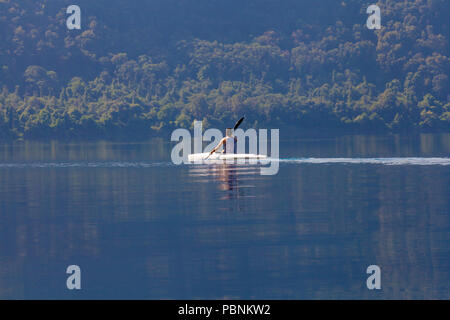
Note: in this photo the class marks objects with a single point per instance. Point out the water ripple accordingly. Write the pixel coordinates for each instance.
(398, 161)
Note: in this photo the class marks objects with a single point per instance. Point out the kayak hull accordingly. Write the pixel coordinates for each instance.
(222, 156)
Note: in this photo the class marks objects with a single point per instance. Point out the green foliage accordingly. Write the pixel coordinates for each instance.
(302, 64)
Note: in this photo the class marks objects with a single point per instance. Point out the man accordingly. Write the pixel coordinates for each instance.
(229, 143)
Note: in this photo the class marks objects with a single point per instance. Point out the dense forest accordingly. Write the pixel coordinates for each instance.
(141, 68)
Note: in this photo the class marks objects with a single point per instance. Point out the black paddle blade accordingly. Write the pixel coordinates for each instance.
(238, 123)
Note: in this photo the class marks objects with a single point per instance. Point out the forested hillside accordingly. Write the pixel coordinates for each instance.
(140, 68)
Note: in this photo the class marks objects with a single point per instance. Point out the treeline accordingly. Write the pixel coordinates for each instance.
(136, 70)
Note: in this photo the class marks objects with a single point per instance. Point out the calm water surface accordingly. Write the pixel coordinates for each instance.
(141, 227)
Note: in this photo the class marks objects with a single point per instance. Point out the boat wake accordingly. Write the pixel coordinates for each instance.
(418, 161)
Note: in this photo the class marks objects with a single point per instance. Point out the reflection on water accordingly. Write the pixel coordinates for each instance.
(140, 227)
(232, 179)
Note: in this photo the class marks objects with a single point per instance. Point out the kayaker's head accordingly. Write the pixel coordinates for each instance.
(229, 132)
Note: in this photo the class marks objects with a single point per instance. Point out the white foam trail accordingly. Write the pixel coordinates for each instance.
(417, 161)
(116, 164)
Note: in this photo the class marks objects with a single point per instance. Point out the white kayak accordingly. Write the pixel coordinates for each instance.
(224, 156)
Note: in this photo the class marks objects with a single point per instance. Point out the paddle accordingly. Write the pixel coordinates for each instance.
(238, 123)
(234, 128)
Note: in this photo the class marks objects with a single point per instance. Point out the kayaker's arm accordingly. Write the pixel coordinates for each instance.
(218, 146)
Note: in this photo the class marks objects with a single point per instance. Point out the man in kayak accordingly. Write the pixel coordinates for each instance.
(229, 143)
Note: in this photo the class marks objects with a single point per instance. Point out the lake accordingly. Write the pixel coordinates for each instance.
(140, 227)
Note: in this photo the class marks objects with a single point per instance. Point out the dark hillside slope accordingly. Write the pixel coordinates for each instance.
(139, 68)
